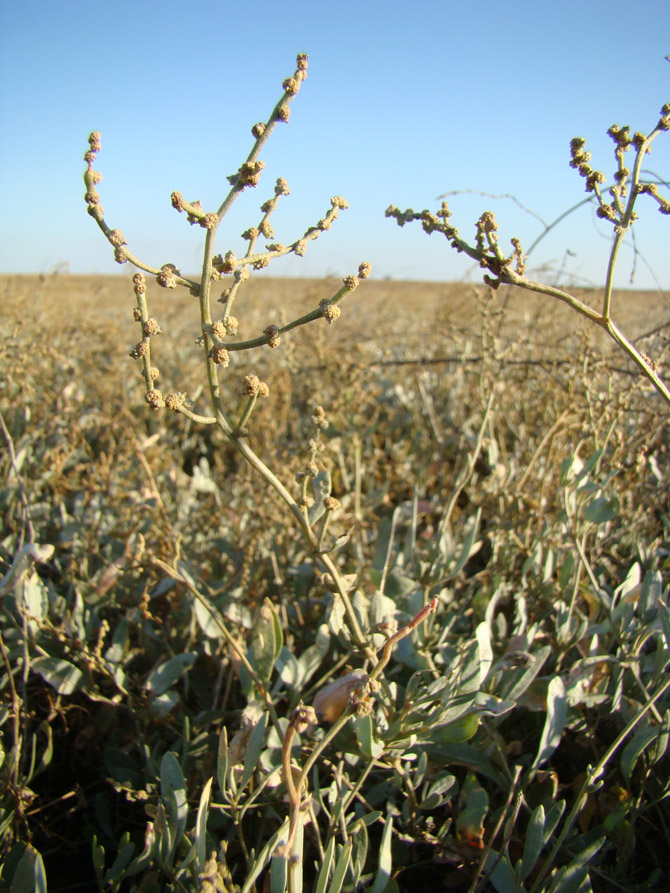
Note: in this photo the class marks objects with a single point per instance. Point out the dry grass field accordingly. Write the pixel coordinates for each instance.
(487, 449)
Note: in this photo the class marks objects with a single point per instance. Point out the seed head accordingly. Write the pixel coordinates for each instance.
(319, 417)
(252, 384)
(151, 327)
(250, 173)
(166, 276)
(174, 401)
(220, 356)
(154, 398)
(117, 238)
(303, 717)
(272, 334)
(331, 312)
(141, 349)
(177, 200)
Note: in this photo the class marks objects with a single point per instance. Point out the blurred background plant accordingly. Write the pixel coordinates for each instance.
(163, 618)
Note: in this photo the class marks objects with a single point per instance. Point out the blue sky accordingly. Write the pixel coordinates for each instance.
(404, 101)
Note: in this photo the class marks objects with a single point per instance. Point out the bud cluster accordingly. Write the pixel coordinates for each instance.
(580, 161)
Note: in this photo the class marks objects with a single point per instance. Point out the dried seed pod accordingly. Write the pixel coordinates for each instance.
(331, 702)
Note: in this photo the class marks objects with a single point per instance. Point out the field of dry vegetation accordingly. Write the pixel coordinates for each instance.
(487, 449)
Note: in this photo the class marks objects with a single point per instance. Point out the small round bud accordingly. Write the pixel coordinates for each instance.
(291, 86)
(120, 255)
(338, 202)
(272, 334)
(252, 385)
(177, 201)
(174, 401)
(166, 276)
(281, 187)
(263, 390)
(319, 417)
(117, 238)
(141, 349)
(301, 61)
(154, 373)
(209, 221)
(331, 504)
(331, 312)
(218, 330)
(300, 248)
(137, 314)
(284, 113)
(364, 270)
(350, 282)
(220, 356)
(250, 234)
(258, 130)
(303, 717)
(154, 398)
(94, 141)
(151, 327)
(139, 283)
(250, 173)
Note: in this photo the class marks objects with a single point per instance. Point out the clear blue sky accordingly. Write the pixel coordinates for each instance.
(404, 101)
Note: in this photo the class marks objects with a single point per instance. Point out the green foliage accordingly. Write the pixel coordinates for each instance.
(463, 571)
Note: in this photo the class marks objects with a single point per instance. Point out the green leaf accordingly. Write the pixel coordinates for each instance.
(552, 820)
(515, 682)
(385, 863)
(360, 851)
(324, 871)
(502, 877)
(571, 879)
(470, 821)
(173, 794)
(264, 857)
(311, 658)
(267, 641)
(60, 674)
(201, 827)
(321, 488)
(468, 543)
(341, 868)
(601, 509)
(222, 762)
(635, 747)
(534, 842)
(370, 746)
(124, 854)
(557, 710)
(253, 752)
(29, 875)
(164, 676)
